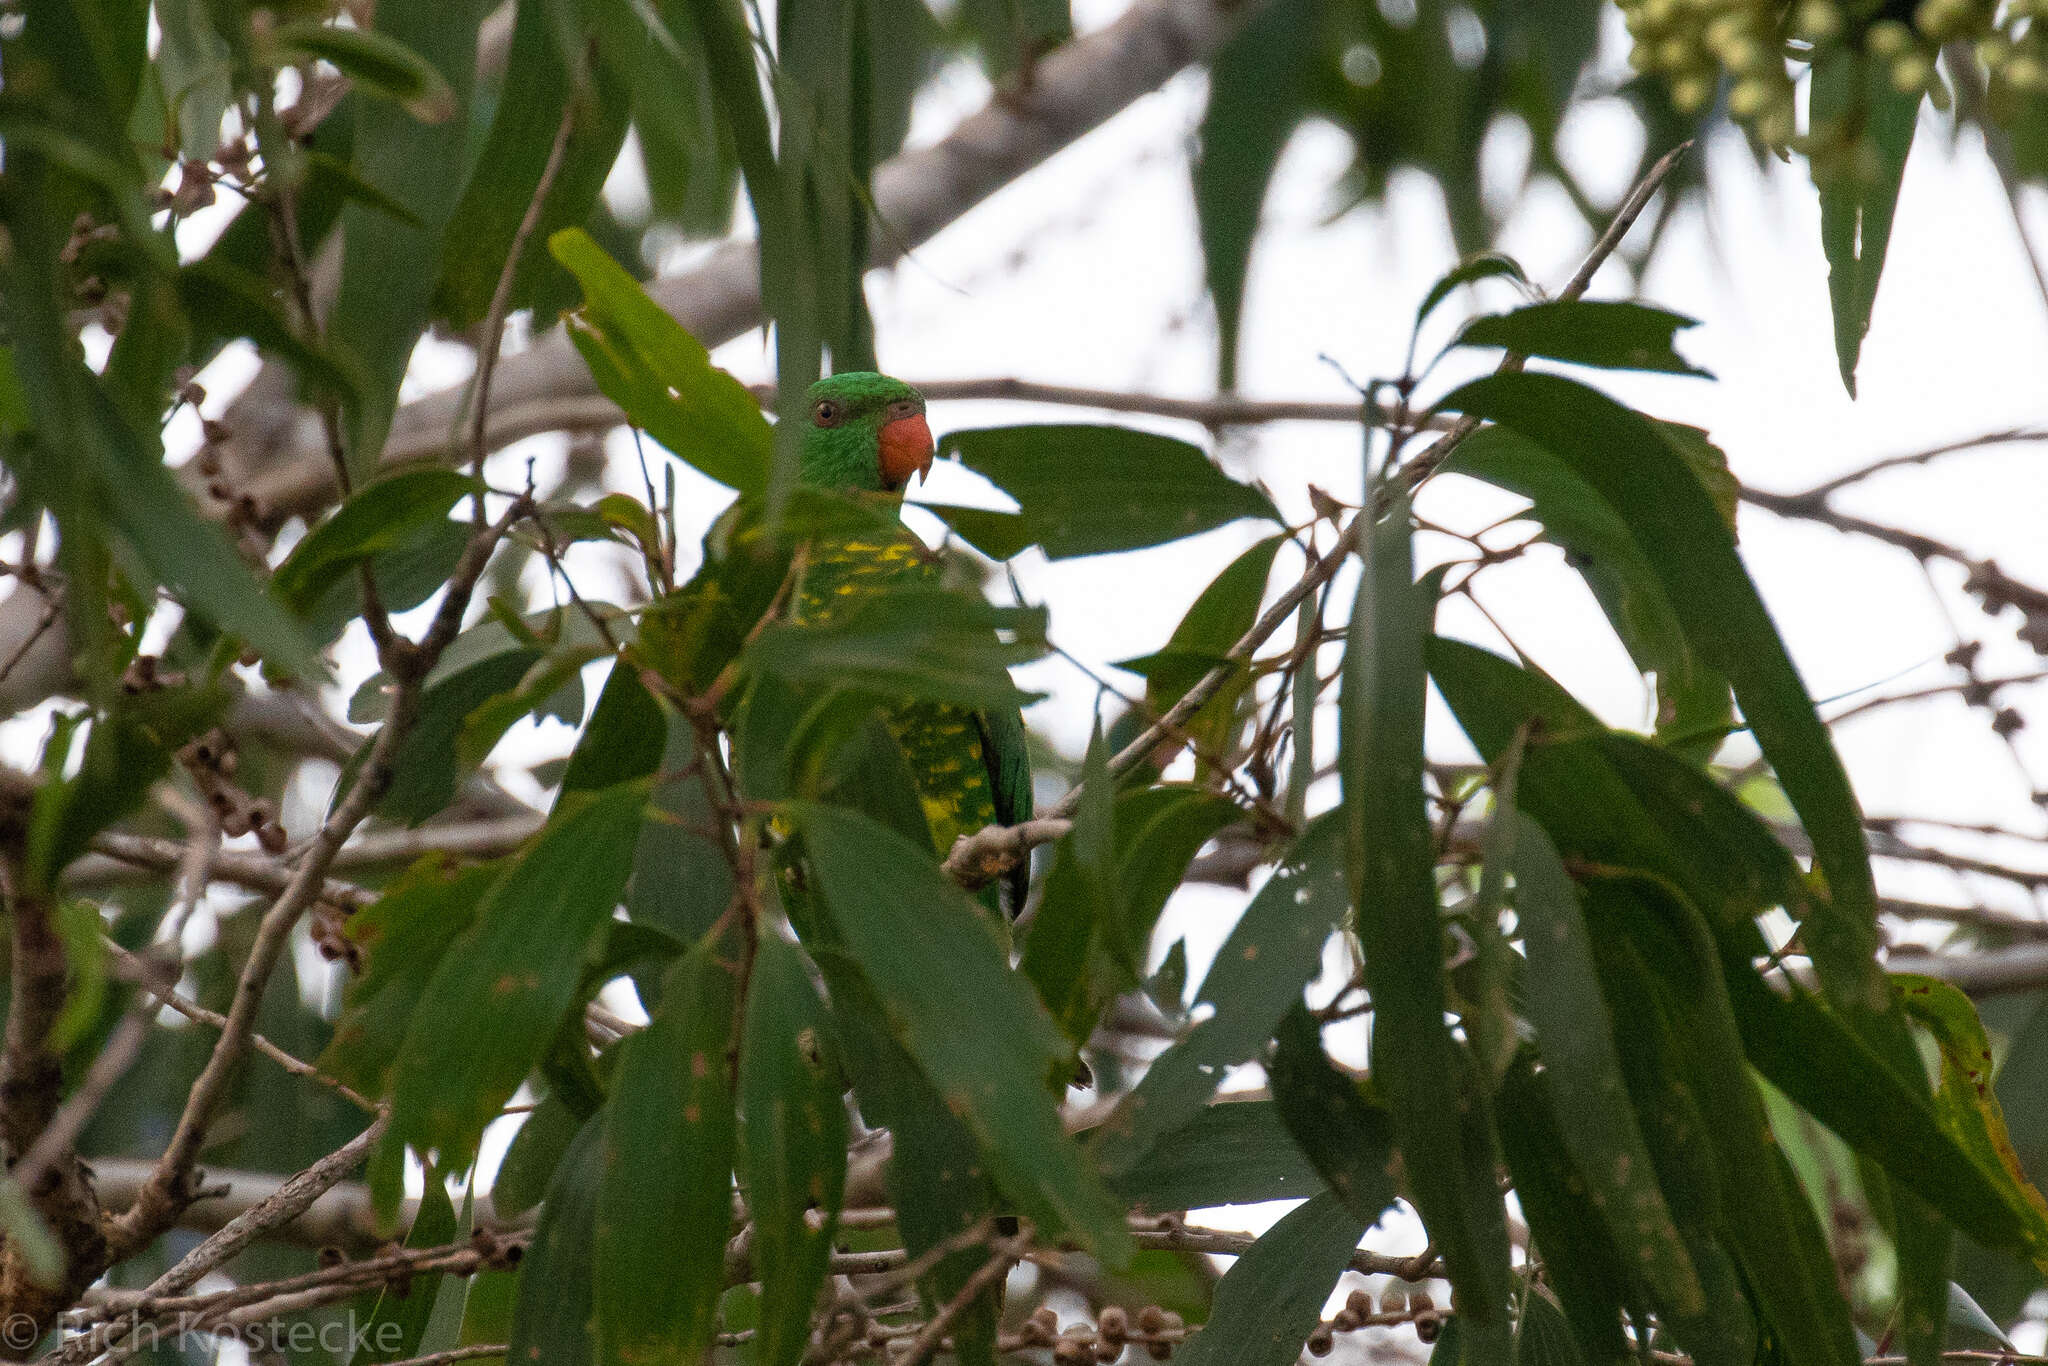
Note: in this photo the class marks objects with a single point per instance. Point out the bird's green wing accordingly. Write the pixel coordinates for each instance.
(1008, 756)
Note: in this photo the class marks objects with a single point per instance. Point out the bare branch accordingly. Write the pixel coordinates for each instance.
(917, 193)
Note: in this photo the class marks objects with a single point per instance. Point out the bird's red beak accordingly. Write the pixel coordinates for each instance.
(906, 450)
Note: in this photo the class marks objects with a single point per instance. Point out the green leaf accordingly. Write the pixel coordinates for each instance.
(1272, 1297)
(1485, 265)
(973, 1025)
(662, 377)
(146, 504)
(1668, 819)
(374, 522)
(234, 303)
(591, 87)
(388, 265)
(690, 171)
(551, 1317)
(1543, 1337)
(624, 738)
(427, 767)
(664, 1203)
(1089, 490)
(1230, 1153)
(1965, 1101)
(1348, 1138)
(1258, 87)
(374, 61)
(1572, 1233)
(1270, 956)
(1693, 700)
(681, 880)
(494, 1001)
(1216, 621)
(1637, 470)
(399, 1321)
(403, 934)
(1870, 125)
(1158, 830)
(1076, 921)
(1609, 334)
(1583, 1077)
(192, 62)
(536, 1151)
(793, 1144)
(1643, 928)
(910, 641)
(1390, 858)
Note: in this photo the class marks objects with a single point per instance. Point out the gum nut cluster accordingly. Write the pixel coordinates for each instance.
(1692, 44)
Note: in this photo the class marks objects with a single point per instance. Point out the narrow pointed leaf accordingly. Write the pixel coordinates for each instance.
(1272, 1297)
(793, 1144)
(664, 1203)
(1390, 857)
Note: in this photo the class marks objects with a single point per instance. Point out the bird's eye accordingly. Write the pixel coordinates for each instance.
(826, 413)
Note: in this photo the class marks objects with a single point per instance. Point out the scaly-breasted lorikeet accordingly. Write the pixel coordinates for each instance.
(867, 433)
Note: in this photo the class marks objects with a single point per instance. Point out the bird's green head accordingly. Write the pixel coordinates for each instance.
(867, 431)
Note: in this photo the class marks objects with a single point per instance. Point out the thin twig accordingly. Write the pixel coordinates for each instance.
(1007, 1254)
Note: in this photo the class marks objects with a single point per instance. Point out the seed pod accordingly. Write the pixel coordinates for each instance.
(1393, 1302)
(1321, 1340)
(1428, 1329)
(1151, 1318)
(1113, 1323)
(1359, 1302)
(1420, 1302)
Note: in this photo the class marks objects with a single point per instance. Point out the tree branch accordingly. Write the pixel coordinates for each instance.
(916, 194)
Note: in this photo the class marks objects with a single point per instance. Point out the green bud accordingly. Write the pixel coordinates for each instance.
(1888, 38)
(1911, 73)
(1748, 99)
(1692, 94)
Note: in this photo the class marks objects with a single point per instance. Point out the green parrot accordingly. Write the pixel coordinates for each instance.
(867, 433)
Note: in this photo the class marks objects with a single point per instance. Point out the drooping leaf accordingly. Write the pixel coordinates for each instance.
(1077, 909)
(1610, 334)
(1230, 1153)
(1485, 265)
(1636, 469)
(1966, 1101)
(384, 303)
(1642, 927)
(1093, 490)
(544, 85)
(403, 936)
(973, 1025)
(662, 377)
(1258, 86)
(407, 1314)
(1349, 1139)
(624, 738)
(1272, 1297)
(1585, 1269)
(494, 1001)
(1270, 956)
(375, 61)
(529, 1164)
(793, 1144)
(374, 522)
(1390, 858)
(551, 1317)
(664, 1203)
(427, 768)
(1855, 106)
(1693, 699)
(1583, 1078)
